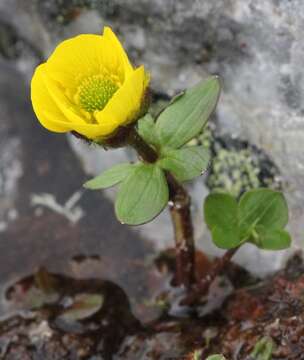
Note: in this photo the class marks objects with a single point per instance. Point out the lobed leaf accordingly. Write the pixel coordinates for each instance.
(259, 218)
(277, 239)
(226, 238)
(221, 210)
(221, 217)
(264, 207)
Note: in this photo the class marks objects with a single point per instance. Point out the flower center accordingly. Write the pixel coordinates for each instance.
(95, 92)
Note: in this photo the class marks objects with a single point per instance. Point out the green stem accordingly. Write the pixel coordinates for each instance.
(179, 204)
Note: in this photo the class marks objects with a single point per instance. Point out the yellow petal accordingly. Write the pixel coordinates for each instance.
(112, 42)
(87, 54)
(44, 106)
(76, 57)
(52, 118)
(94, 131)
(67, 108)
(126, 102)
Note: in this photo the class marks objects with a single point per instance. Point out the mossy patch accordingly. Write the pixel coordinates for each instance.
(237, 166)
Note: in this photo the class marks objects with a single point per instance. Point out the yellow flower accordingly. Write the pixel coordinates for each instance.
(88, 86)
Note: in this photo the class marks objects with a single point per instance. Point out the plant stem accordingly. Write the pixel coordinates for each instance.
(144, 150)
(203, 286)
(179, 205)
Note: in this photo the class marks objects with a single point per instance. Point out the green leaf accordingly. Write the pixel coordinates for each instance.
(263, 349)
(216, 357)
(177, 97)
(226, 238)
(147, 130)
(110, 177)
(264, 207)
(186, 163)
(84, 306)
(186, 116)
(259, 218)
(142, 195)
(221, 210)
(271, 239)
(221, 216)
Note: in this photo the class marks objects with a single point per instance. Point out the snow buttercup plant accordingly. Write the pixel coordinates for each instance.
(89, 87)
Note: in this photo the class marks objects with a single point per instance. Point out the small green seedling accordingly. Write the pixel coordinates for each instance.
(259, 218)
(263, 349)
(216, 357)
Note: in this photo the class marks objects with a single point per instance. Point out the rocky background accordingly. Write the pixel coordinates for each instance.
(257, 48)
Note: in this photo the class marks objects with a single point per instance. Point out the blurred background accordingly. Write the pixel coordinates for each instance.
(256, 136)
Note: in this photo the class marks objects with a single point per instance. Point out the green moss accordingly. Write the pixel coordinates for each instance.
(206, 138)
(236, 165)
(234, 172)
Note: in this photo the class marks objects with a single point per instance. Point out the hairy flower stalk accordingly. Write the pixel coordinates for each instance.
(179, 205)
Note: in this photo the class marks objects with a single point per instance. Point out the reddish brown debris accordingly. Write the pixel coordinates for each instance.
(272, 309)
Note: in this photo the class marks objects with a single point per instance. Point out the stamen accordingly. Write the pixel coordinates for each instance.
(95, 91)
